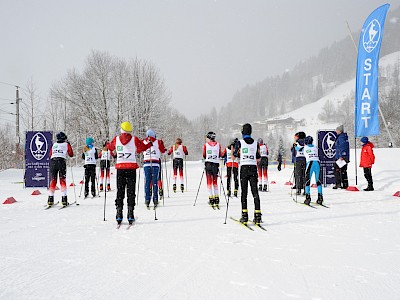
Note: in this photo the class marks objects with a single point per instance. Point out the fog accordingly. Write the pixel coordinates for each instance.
(206, 50)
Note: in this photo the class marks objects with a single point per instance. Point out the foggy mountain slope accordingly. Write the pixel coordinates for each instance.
(307, 82)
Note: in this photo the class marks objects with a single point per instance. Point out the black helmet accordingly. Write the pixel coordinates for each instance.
(308, 140)
(246, 129)
(301, 135)
(211, 135)
(61, 136)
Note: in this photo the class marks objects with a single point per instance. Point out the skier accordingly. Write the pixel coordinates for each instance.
(366, 161)
(312, 167)
(232, 167)
(58, 167)
(211, 153)
(263, 166)
(342, 153)
(300, 166)
(105, 163)
(249, 152)
(151, 166)
(126, 146)
(297, 136)
(179, 151)
(90, 156)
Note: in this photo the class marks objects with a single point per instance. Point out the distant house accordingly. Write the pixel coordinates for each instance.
(279, 124)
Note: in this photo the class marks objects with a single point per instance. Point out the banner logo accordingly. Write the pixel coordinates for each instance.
(372, 35)
(38, 146)
(328, 144)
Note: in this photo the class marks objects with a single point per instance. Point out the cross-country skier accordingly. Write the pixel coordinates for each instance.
(312, 168)
(151, 166)
(263, 166)
(300, 166)
(58, 167)
(366, 161)
(179, 151)
(211, 153)
(232, 167)
(297, 136)
(126, 147)
(90, 156)
(105, 163)
(249, 152)
(342, 147)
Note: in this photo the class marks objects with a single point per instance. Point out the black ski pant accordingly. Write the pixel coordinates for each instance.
(235, 171)
(126, 179)
(368, 176)
(341, 176)
(90, 175)
(248, 174)
(300, 174)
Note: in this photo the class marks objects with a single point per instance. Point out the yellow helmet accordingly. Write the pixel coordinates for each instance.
(126, 126)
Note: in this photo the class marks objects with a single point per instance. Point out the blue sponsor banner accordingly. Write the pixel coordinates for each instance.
(37, 160)
(326, 154)
(366, 106)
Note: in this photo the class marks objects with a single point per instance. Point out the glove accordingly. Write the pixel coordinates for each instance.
(279, 167)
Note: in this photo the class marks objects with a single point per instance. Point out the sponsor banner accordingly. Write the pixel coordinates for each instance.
(366, 106)
(37, 160)
(326, 154)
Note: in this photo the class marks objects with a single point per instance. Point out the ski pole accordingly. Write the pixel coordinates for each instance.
(185, 175)
(83, 182)
(105, 193)
(166, 177)
(73, 182)
(199, 187)
(162, 182)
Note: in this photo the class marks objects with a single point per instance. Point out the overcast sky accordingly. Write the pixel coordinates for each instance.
(205, 49)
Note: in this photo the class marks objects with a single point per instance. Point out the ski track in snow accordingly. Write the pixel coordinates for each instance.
(349, 251)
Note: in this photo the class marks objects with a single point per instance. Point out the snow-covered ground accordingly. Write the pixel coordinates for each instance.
(349, 251)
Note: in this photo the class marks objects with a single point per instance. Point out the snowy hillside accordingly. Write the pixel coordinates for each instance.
(311, 111)
(348, 251)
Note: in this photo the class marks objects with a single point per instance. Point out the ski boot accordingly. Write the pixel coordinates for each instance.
(130, 216)
(64, 201)
(86, 194)
(257, 217)
(298, 192)
(108, 187)
(320, 199)
(245, 217)
(147, 204)
(211, 201)
(265, 188)
(308, 199)
(101, 187)
(93, 194)
(216, 201)
(155, 203)
(182, 188)
(174, 187)
(228, 193)
(260, 187)
(160, 192)
(50, 201)
(235, 193)
(119, 215)
(369, 188)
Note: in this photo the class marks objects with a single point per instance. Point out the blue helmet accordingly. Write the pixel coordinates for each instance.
(89, 141)
(150, 133)
(308, 140)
